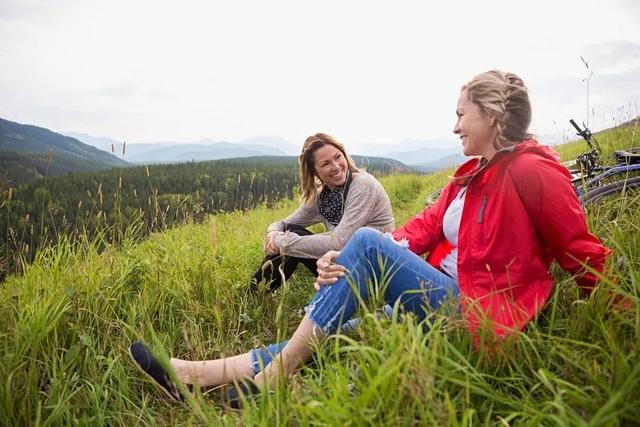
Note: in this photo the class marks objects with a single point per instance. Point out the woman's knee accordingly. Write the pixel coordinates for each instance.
(366, 235)
(366, 243)
(372, 242)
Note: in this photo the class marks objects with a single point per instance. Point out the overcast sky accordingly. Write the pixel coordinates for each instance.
(369, 72)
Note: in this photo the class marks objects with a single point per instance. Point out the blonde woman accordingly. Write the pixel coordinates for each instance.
(334, 193)
(491, 237)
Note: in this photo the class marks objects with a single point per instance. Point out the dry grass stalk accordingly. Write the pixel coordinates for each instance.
(213, 232)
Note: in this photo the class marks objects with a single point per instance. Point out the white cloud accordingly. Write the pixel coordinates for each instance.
(369, 72)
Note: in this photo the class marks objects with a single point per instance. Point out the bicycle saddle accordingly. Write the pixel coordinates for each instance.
(627, 157)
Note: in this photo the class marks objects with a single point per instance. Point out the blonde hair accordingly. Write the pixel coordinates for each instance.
(309, 181)
(504, 96)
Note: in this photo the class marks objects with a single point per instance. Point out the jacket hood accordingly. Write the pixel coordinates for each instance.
(533, 146)
(525, 146)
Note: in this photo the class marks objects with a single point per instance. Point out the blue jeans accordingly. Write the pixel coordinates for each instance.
(373, 262)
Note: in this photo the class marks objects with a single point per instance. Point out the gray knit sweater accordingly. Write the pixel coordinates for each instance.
(367, 205)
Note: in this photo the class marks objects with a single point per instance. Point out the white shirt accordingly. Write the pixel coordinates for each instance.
(450, 228)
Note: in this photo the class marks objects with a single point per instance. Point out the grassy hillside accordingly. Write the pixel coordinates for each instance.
(67, 322)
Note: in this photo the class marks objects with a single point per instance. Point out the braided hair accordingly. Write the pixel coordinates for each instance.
(505, 97)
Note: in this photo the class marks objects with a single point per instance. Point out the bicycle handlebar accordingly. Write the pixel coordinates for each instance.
(586, 135)
(575, 125)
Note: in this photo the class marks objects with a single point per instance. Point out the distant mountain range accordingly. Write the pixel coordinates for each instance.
(175, 152)
(442, 163)
(421, 156)
(424, 155)
(178, 153)
(25, 153)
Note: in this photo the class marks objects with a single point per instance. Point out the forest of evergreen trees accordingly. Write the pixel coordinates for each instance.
(154, 197)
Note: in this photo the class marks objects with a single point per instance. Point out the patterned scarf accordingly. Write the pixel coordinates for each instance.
(331, 202)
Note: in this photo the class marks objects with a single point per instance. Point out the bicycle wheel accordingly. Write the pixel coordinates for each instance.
(614, 187)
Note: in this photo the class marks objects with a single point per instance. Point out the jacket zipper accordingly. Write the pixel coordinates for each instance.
(481, 211)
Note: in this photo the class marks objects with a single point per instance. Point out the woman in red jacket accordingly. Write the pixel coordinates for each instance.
(490, 239)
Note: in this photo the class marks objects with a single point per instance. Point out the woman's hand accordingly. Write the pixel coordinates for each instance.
(270, 247)
(328, 271)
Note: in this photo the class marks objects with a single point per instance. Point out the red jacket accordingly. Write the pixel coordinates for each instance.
(520, 213)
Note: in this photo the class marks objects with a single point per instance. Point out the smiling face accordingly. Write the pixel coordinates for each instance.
(475, 128)
(330, 165)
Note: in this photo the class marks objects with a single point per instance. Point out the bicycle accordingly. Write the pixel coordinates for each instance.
(592, 179)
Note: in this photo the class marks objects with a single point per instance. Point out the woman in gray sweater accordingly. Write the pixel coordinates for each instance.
(334, 193)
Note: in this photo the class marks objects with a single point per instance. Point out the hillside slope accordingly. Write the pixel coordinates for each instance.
(68, 321)
(25, 152)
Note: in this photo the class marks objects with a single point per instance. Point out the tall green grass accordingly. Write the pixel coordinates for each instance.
(68, 320)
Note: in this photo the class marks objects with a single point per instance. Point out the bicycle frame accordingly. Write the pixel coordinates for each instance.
(588, 178)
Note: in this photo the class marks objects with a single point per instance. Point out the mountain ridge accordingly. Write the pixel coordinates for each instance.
(410, 151)
(200, 150)
(29, 152)
(25, 153)
(35, 140)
